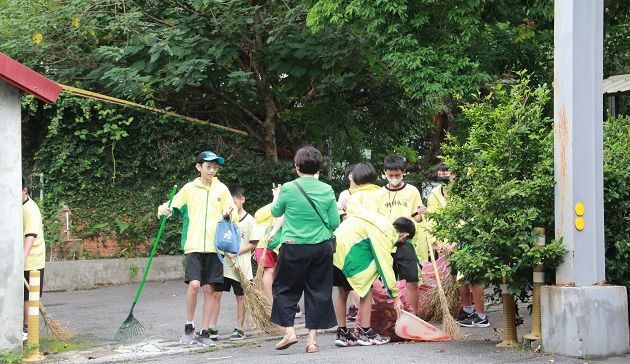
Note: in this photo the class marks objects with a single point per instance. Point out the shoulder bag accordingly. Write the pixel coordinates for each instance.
(332, 239)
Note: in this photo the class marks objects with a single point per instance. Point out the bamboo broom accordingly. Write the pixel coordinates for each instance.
(449, 325)
(257, 305)
(56, 329)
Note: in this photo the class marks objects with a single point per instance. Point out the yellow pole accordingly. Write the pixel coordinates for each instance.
(32, 348)
(509, 320)
(539, 281)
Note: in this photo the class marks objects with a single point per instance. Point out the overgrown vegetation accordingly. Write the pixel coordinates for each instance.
(617, 199)
(114, 165)
(503, 189)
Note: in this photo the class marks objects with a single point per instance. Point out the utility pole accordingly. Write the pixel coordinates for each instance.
(580, 315)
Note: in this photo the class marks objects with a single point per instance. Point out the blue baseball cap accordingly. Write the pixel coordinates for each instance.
(209, 157)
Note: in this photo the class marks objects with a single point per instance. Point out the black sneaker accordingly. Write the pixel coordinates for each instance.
(369, 337)
(237, 334)
(345, 338)
(187, 338)
(204, 339)
(475, 321)
(463, 315)
(214, 333)
(352, 313)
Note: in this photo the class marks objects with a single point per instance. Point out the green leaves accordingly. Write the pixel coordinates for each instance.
(504, 187)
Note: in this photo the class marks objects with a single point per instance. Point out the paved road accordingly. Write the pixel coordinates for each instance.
(96, 314)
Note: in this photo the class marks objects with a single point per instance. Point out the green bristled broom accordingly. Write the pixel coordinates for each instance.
(131, 326)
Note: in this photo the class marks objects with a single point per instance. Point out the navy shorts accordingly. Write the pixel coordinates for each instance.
(203, 267)
(227, 283)
(41, 282)
(405, 263)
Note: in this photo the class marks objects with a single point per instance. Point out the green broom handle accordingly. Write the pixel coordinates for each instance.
(155, 244)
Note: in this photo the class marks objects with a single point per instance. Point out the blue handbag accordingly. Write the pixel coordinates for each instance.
(227, 239)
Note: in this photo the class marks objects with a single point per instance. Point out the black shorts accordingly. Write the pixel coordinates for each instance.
(203, 267)
(41, 282)
(340, 280)
(405, 263)
(227, 283)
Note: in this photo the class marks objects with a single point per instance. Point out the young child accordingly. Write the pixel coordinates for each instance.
(34, 246)
(470, 316)
(203, 203)
(231, 279)
(400, 199)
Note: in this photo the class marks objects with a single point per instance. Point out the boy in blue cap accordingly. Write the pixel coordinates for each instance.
(203, 203)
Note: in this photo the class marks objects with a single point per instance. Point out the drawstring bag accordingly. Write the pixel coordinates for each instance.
(227, 239)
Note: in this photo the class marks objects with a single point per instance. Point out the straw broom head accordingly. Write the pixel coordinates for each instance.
(431, 308)
(54, 327)
(258, 306)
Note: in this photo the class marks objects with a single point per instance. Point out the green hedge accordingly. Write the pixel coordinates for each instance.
(617, 200)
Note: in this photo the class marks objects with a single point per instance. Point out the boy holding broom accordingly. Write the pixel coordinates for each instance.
(202, 202)
(34, 247)
(249, 240)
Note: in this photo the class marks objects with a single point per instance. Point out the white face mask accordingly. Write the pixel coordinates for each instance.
(394, 182)
(316, 175)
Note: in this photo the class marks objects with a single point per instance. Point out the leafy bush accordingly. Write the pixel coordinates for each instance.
(617, 200)
(503, 189)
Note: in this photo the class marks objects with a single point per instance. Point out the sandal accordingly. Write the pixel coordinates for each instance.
(287, 340)
(312, 348)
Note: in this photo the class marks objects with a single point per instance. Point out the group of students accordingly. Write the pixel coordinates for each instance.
(313, 242)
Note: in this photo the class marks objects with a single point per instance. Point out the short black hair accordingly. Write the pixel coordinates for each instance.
(25, 184)
(405, 225)
(364, 173)
(308, 160)
(443, 167)
(237, 191)
(349, 170)
(394, 162)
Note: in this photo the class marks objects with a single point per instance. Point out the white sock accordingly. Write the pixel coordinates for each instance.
(481, 316)
(191, 323)
(469, 309)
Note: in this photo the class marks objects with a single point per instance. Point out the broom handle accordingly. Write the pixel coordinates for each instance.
(432, 256)
(41, 307)
(155, 244)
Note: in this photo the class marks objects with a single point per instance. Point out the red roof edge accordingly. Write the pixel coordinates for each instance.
(28, 80)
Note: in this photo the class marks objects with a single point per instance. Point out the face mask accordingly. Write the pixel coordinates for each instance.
(394, 182)
(444, 179)
(316, 175)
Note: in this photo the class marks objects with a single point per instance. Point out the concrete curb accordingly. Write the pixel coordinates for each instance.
(86, 274)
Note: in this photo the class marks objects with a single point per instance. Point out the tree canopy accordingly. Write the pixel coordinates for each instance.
(250, 65)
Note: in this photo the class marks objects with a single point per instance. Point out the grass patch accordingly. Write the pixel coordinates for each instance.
(50, 346)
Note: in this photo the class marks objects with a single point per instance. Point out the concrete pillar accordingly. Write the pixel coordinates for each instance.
(580, 316)
(11, 259)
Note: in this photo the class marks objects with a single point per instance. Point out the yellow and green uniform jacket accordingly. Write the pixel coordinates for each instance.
(362, 197)
(265, 222)
(364, 251)
(201, 208)
(435, 203)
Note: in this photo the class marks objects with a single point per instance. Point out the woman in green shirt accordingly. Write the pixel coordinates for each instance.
(305, 261)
